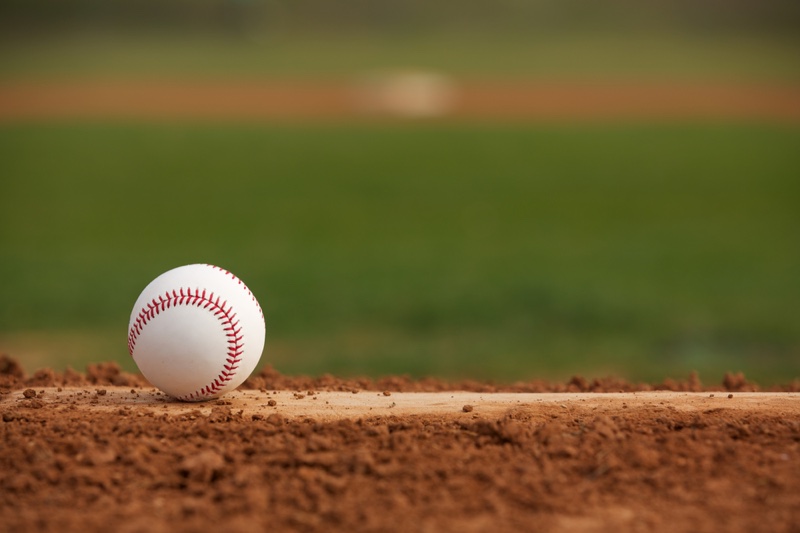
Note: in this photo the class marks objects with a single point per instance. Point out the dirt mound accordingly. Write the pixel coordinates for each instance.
(109, 373)
(130, 459)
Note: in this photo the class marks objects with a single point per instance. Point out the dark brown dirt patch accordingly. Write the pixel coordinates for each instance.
(133, 460)
(78, 462)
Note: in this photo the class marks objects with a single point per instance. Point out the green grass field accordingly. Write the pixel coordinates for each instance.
(493, 252)
(648, 54)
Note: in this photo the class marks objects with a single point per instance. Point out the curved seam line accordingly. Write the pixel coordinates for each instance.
(240, 282)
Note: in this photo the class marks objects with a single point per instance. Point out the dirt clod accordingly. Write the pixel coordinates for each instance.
(204, 466)
(10, 369)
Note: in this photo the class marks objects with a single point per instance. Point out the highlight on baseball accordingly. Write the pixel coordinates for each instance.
(196, 332)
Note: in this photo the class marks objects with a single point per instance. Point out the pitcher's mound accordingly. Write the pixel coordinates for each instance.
(127, 458)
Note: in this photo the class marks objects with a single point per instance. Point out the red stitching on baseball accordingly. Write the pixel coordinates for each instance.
(240, 282)
(198, 299)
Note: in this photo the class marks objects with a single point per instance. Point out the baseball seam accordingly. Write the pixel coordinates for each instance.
(197, 298)
(241, 284)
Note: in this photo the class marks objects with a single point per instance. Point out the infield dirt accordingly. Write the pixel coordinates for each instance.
(105, 451)
(338, 100)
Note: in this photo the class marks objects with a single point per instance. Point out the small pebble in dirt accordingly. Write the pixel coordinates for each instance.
(710, 395)
(59, 389)
(101, 392)
(730, 395)
(467, 408)
(275, 419)
(29, 393)
(387, 393)
(272, 403)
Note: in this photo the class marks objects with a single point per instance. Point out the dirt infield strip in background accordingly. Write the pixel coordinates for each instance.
(104, 451)
(397, 97)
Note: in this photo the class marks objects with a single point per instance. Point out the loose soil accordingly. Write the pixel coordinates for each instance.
(103, 450)
(393, 98)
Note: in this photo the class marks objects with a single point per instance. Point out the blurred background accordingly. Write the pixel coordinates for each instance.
(497, 190)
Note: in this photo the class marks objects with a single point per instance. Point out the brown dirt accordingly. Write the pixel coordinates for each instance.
(337, 100)
(102, 450)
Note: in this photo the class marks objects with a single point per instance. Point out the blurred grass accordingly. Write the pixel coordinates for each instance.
(652, 54)
(494, 252)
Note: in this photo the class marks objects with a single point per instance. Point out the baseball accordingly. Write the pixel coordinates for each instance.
(196, 332)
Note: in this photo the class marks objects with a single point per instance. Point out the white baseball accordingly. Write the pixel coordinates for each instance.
(196, 332)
